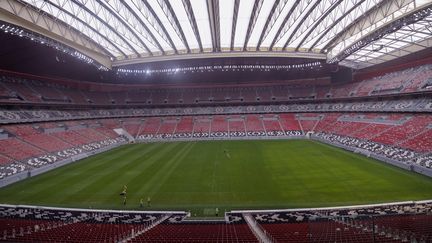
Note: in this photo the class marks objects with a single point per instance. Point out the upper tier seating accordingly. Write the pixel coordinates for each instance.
(265, 93)
(99, 98)
(420, 80)
(7, 95)
(76, 96)
(343, 90)
(19, 87)
(419, 104)
(48, 93)
(39, 91)
(119, 97)
(138, 97)
(305, 92)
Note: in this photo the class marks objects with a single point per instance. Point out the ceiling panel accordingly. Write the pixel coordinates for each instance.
(134, 29)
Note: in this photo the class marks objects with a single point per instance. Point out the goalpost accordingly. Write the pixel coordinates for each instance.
(309, 134)
(362, 151)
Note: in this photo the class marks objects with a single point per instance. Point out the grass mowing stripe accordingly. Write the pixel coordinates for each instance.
(135, 167)
(75, 180)
(139, 169)
(100, 190)
(154, 182)
(197, 176)
(44, 181)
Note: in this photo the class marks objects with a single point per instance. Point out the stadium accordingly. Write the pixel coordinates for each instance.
(216, 121)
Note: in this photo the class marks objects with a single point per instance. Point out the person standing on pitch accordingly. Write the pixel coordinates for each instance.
(141, 203)
(148, 202)
(123, 193)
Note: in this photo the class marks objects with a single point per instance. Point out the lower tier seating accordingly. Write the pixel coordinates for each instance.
(198, 232)
(79, 232)
(397, 222)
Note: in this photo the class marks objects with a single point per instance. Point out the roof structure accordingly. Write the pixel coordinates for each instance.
(123, 32)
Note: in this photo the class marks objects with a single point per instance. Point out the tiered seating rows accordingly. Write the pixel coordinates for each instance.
(213, 232)
(18, 150)
(409, 129)
(27, 141)
(408, 80)
(80, 232)
(408, 222)
(413, 134)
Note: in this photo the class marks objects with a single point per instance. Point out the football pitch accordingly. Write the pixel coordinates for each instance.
(202, 176)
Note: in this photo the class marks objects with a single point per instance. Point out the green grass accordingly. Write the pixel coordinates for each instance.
(200, 176)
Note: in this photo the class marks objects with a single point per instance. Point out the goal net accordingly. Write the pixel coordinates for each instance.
(362, 151)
